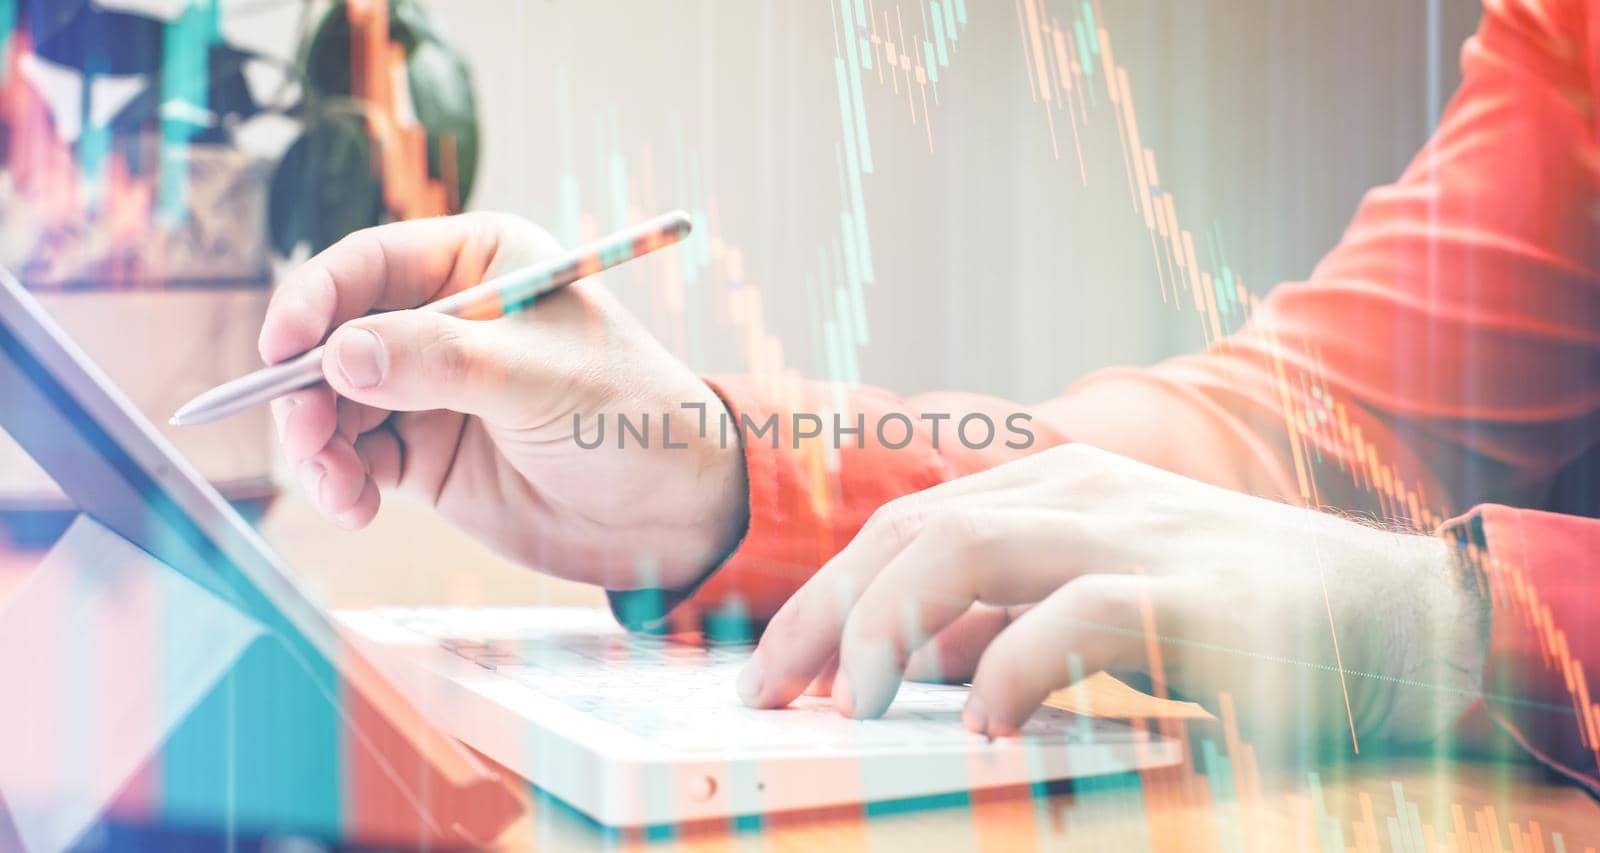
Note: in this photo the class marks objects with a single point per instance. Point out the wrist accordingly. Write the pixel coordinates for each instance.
(719, 492)
(1442, 637)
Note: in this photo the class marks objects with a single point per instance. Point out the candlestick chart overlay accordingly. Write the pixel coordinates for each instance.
(825, 207)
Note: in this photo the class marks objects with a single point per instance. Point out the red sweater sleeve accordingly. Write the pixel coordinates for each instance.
(1458, 320)
(1540, 572)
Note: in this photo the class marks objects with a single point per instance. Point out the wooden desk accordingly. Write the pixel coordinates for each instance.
(408, 557)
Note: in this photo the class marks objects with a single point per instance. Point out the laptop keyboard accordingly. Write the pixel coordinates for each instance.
(682, 696)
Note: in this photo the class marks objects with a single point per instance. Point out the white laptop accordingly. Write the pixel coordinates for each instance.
(635, 730)
(630, 730)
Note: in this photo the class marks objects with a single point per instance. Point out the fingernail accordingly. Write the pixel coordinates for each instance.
(311, 474)
(749, 684)
(362, 358)
(281, 408)
(844, 696)
(346, 519)
(974, 717)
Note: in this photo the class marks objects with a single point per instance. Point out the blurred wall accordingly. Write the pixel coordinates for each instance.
(1000, 267)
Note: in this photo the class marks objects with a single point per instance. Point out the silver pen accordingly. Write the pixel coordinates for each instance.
(494, 298)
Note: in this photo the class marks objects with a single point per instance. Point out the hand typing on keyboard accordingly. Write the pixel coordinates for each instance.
(679, 695)
(1006, 576)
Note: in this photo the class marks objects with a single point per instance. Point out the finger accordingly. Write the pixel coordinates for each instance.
(400, 265)
(363, 510)
(963, 556)
(430, 442)
(804, 634)
(334, 477)
(306, 421)
(355, 419)
(382, 456)
(822, 685)
(410, 361)
(952, 655)
(1095, 619)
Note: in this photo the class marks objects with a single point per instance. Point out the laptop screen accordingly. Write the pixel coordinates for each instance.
(307, 735)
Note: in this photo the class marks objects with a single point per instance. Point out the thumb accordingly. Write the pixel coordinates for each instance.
(408, 361)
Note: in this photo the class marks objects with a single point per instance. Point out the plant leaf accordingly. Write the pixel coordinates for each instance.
(436, 73)
(441, 94)
(229, 92)
(324, 187)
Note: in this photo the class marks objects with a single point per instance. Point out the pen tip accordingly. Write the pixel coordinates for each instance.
(184, 416)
